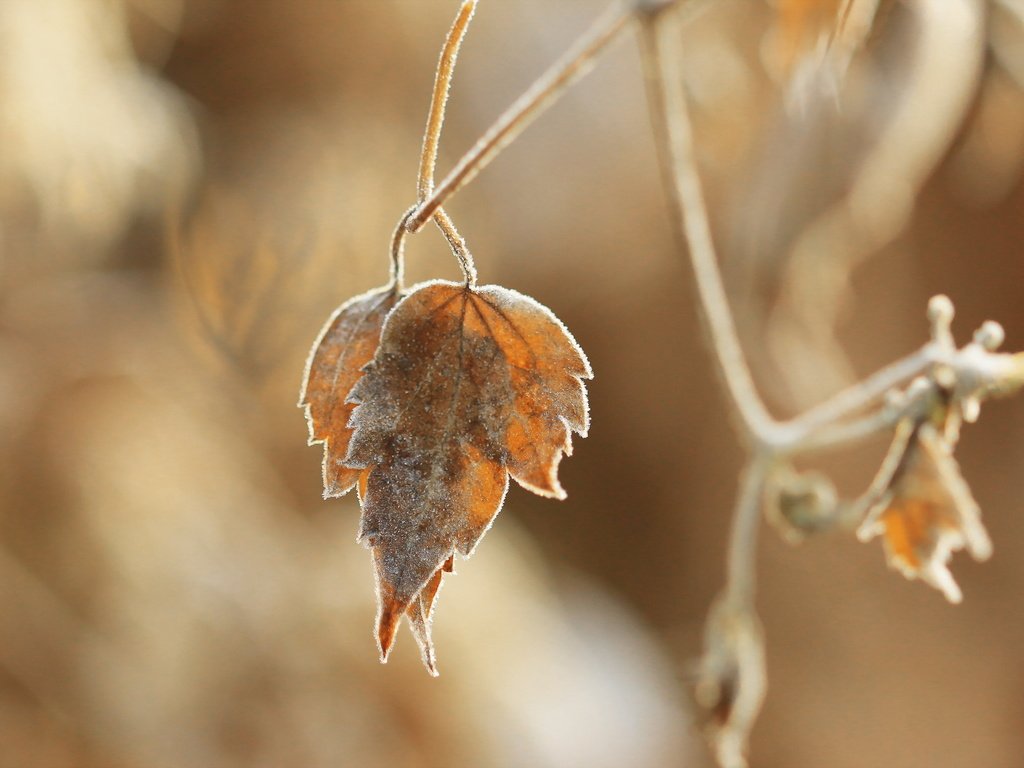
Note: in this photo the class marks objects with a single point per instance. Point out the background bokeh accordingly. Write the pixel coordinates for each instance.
(188, 188)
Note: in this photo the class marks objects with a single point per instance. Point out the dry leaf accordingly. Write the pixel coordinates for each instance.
(926, 511)
(468, 387)
(346, 343)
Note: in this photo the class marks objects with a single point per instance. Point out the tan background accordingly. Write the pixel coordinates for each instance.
(173, 592)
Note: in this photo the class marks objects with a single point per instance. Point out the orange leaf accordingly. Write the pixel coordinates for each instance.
(468, 387)
(926, 511)
(346, 343)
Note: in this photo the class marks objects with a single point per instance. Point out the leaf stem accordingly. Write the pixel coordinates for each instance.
(458, 246)
(567, 70)
(398, 251)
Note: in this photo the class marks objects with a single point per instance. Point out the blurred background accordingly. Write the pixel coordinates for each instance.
(189, 187)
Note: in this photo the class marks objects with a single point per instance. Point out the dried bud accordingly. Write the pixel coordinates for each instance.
(940, 317)
(990, 335)
(799, 504)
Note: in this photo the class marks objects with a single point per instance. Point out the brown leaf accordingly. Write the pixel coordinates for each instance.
(422, 607)
(925, 511)
(346, 343)
(468, 387)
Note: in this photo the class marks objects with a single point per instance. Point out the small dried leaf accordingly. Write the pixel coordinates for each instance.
(925, 511)
(468, 387)
(347, 342)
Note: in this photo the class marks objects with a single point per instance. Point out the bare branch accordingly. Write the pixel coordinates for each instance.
(673, 130)
(741, 581)
(792, 435)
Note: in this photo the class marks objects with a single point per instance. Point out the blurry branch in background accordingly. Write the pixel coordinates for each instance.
(919, 502)
(732, 681)
(680, 170)
(240, 279)
(943, 67)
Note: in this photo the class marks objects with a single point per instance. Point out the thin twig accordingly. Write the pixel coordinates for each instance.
(741, 578)
(526, 108)
(439, 98)
(848, 433)
(734, 656)
(663, 64)
(797, 435)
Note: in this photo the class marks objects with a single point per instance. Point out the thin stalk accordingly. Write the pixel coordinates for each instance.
(671, 122)
(439, 98)
(567, 70)
(741, 577)
(398, 251)
(800, 430)
(428, 155)
(845, 434)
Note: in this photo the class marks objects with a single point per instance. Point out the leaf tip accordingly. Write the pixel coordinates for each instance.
(421, 631)
(387, 625)
(548, 487)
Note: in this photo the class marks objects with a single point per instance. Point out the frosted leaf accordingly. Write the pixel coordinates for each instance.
(346, 343)
(468, 387)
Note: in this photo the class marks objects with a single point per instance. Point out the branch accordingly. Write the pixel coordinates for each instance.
(671, 122)
(741, 579)
(732, 680)
(798, 434)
